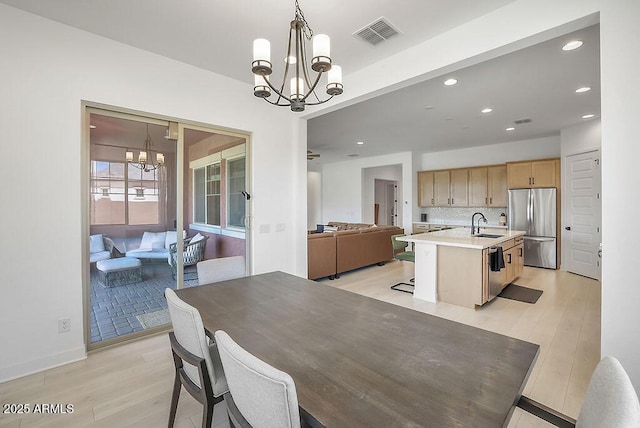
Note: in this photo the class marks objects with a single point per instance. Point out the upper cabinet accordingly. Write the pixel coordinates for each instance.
(425, 189)
(497, 186)
(445, 188)
(533, 174)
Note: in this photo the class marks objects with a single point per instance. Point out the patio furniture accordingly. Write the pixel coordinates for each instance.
(155, 245)
(101, 248)
(192, 252)
(120, 271)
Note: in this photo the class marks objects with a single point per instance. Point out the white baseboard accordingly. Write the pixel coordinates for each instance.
(42, 363)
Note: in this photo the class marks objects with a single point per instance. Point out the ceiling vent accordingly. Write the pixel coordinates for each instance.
(353, 155)
(376, 32)
(521, 121)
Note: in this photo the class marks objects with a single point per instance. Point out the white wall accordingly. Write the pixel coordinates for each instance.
(388, 172)
(620, 177)
(314, 199)
(47, 69)
(538, 148)
(343, 188)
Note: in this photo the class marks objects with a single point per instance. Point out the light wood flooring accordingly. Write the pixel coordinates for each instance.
(130, 385)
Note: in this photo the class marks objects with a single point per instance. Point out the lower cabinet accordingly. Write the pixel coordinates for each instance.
(514, 260)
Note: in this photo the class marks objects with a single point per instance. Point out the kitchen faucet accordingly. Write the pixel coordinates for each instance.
(473, 227)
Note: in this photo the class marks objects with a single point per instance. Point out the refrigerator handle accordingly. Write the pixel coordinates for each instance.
(530, 213)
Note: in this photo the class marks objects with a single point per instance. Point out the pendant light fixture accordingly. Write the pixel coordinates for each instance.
(145, 155)
(299, 33)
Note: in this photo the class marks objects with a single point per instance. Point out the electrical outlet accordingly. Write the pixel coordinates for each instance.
(64, 325)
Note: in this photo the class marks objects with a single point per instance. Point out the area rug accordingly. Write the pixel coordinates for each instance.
(404, 287)
(520, 293)
(154, 319)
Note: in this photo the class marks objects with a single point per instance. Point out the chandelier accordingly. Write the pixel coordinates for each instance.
(144, 155)
(297, 58)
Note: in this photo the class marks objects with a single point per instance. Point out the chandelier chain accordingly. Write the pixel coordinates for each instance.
(306, 29)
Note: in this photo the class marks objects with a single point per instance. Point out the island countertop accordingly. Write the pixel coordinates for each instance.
(461, 237)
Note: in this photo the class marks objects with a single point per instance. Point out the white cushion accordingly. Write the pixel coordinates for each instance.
(197, 238)
(96, 243)
(152, 241)
(100, 255)
(172, 237)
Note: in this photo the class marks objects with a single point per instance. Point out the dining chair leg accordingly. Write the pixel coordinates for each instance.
(175, 395)
(207, 415)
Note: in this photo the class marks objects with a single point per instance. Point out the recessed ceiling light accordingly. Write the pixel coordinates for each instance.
(487, 110)
(448, 118)
(511, 128)
(450, 82)
(360, 143)
(574, 44)
(588, 116)
(92, 127)
(583, 89)
(428, 107)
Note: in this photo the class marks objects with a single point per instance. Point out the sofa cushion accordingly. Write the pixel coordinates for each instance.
(197, 238)
(96, 244)
(99, 255)
(152, 241)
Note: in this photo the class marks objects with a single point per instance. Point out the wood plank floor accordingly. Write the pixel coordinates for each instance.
(130, 385)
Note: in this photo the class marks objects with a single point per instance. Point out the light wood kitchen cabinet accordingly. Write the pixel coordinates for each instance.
(450, 188)
(533, 174)
(459, 179)
(513, 259)
(441, 188)
(425, 189)
(488, 186)
(497, 186)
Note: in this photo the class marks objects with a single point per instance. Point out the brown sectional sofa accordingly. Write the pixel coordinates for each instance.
(353, 246)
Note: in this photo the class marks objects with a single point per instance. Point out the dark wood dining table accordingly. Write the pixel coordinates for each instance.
(361, 362)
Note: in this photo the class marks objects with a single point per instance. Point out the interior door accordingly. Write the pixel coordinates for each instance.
(582, 230)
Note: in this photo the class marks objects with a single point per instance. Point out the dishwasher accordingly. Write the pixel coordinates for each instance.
(496, 271)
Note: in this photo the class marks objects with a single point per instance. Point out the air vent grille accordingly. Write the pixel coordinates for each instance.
(353, 155)
(376, 32)
(521, 121)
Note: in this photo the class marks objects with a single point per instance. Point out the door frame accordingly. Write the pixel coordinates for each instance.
(88, 107)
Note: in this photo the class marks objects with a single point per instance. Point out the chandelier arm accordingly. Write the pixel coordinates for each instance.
(280, 94)
(319, 101)
(312, 89)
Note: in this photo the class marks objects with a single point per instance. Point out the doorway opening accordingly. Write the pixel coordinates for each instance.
(162, 196)
(386, 202)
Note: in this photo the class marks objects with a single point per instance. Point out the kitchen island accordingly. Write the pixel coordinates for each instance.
(453, 266)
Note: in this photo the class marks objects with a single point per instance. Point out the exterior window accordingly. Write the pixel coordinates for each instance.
(236, 185)
(218, 191)
(110, 182)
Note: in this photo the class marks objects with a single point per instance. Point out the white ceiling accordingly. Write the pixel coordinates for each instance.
(217, 35)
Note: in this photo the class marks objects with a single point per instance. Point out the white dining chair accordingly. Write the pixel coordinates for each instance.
(610, 401)
(220, 269)
(197, 363)
(260, 396)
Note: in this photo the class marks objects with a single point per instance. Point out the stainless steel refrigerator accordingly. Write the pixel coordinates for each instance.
(534, 211)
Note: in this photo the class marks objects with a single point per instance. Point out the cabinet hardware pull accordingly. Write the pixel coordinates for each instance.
(509, 258)
(491, 200)
(431, 201)
(533, 180)
(520, 252)
(485, 201)
(451, 201)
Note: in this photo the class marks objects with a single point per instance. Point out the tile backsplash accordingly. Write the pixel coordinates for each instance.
(461, 215)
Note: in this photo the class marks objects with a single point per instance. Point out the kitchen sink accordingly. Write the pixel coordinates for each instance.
(487, 235)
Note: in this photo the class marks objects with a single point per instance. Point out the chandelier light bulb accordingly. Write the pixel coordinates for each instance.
(297, 88)
(160, 159)
(129, 156)
(334, 80)
(142, 157)
(261, 57)
(261, 88)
